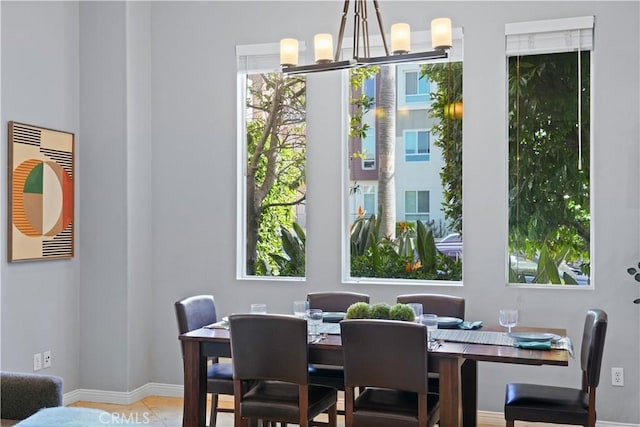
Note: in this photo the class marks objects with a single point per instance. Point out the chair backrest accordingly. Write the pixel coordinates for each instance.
(269, 347)
(442, 305)
(593, 336)
(195, 312)
(385, 353)
(335, 301)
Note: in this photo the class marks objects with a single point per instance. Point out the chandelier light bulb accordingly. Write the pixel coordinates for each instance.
(441, 33)
(289, 52)
(323, 47)
(400, 38)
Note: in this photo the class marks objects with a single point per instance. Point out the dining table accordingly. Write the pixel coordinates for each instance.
(455, 362)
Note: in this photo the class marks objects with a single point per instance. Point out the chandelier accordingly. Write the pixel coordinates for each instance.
(326, 60)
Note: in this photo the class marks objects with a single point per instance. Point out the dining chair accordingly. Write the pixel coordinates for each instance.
(387, 361)
(442, 305)
(563, 405)
(336, 301)
(332, 301)
(277, 392)
(193, 313)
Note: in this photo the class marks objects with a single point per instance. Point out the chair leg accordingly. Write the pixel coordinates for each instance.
(333, 416)
(213, 414)
(510, 423)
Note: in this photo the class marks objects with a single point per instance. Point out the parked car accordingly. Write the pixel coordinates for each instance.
(451, 245)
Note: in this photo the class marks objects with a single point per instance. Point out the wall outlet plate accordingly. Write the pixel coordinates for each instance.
(46, 359)
(617, 377)
(37, 361)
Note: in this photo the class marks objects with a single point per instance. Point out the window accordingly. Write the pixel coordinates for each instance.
(416, 88)
(416, 205)
(412, 197)
(272, 157)
(416, 146)
(549, 64)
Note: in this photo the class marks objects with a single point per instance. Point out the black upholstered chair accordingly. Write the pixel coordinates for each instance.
(442, 305)
(335, 301)
(194, 313)
(332, 301)
(563, 405)
(277, 391)
(387, 361)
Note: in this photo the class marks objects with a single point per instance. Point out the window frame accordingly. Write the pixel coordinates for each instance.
(253, 58)
(420, 41)
(551, 37)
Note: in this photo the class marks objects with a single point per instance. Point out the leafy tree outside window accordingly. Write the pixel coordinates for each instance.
(399, 240)
(549, 168)
(275, 190)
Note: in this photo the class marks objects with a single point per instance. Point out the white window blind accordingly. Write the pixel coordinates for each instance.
(261, 58)
(549, 36)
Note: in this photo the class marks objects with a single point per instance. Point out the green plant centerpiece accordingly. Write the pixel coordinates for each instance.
(380, 311)
(402, 312)
(358, 310)
(362, 310)
(635, 272)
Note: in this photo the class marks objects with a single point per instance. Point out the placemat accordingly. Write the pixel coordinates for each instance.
(492, 338)
(329, 328)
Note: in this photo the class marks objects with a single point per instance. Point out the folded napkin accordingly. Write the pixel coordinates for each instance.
(470, 325)
(222, 324)
(533, 345)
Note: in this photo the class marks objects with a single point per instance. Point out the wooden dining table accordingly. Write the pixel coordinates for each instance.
(455, 362)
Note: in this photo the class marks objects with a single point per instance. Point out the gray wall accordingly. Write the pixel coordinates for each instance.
(39, 86)
(155, 85)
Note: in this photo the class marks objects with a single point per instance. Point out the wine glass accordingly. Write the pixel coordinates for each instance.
(508, 318)
(300, 308)
(417, 310)
(314, 320)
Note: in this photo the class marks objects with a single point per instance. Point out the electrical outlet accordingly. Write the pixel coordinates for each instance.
(46, 362)
(37, 361)
(617, 377)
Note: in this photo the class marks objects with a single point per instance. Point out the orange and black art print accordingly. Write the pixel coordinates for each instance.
(41, 213)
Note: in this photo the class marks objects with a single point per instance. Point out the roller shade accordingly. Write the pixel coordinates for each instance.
(260, 58)
(549, 36)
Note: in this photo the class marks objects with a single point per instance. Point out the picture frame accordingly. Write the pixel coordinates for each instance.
(41, 193)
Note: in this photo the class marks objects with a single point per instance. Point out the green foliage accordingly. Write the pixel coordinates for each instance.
(412, 255)
(292, 263)
(380, 311)
(402, 312)
(635, 272)
(447, 134)
(549, 175)
(275, 170)
(359, 310)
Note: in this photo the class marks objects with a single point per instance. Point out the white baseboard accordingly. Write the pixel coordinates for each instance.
(123, 397)
(175, 390)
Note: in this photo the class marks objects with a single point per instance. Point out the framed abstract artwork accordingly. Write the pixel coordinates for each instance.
(41, 193)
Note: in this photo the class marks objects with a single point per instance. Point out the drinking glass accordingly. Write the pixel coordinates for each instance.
(431, 322)
(508, 318)
(417, 309)
(300, 308)
(259, 308)
(314, 320)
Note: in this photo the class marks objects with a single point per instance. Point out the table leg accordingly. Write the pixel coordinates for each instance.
(450, 392)
(469, 372)
(195, 386)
